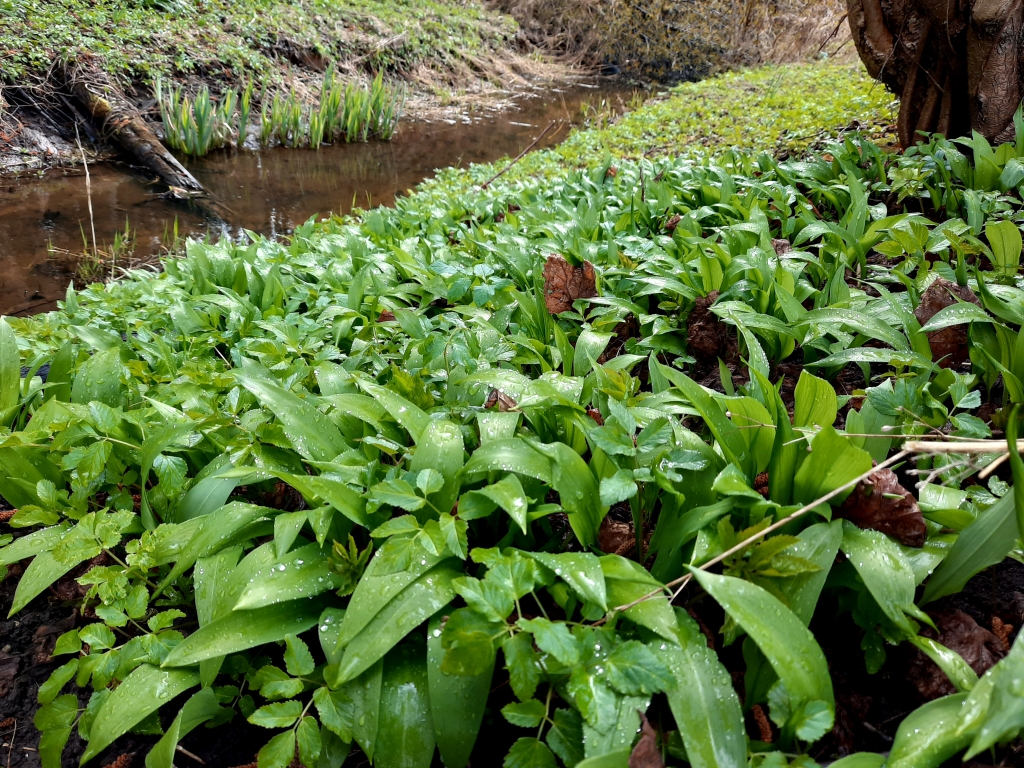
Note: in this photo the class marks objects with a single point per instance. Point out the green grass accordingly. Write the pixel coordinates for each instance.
(141, 39)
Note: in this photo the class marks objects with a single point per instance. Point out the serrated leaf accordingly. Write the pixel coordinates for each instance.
(281, 714)
(525, 714)
(529, 753)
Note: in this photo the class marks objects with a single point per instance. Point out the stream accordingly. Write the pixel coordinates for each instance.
(43, 218)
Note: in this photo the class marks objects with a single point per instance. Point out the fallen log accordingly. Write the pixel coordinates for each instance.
(125, 127)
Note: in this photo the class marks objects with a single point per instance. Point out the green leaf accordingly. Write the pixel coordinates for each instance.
(43, 571)
(240, 630)
(981, 544)
(336, 712)
(416, 603)
(281, 714)
(441, 449)
(632, 669)
(58, 678)
(885, 570)
(818, 544)
(278, 752)
(581, 571)
(99, 379)
(55, 720)
(627, 581)
(521, 662)
(209, 493)
(928, 737)
(565, 736)
(380, 584)
(334, 492)
(201, 707)
(313, 434)
(365, 693)
(414, 419)
(577, 490)
(860, 760)
(310, 743)
(529, 753)
(300, 574)
(508, 455)
(787, 644)
(406, 733)
(1005, 240)
(834, 461)
(956, 314)
(525, 714)
(508, 494)
(10, 369)
(949, 661)
(616, 759)
(553, 638)
(457, 702)
(816, 403)
(297, 658)
(703, 701)
(141, 694)
(32, 544)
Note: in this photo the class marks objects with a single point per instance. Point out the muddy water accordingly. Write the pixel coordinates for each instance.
(269, 192)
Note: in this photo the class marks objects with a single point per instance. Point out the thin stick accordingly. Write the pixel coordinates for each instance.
(521, 155)
(988, 470)
(186, 753)
(682, 581)
(88, 194)
(968, 446)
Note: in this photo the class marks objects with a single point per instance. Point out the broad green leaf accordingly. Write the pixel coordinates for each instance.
(393, 621)
(816, 404)
(885, 572)
(577, 490)
(1005, 240)
(589, 347)
(510, 455)
(406, 730)
(214, 531)
(818, 544)
(508, 494)
(860, 760)
(834, 461)
(55, 720)
(58, 380)
(859, 322)
(301, 573)
(99, 379)
(141, 694)
(787, 644)
(626, 581)
(313, 434)
(32, 544)
(703, 701)
(10, 368)
(525, 714)
(208, 579)
(949, 661)
(333, 491)
(287, 526)
(308, 737)
(379, 586)
(48, 690)
(981, 544)
(457, 702)
(581, 571)
(43, 571)
(365, 693)
(565, 736)
(928, 737)
(151, 448)
(625, 723)
(209, 494)
(440, 448)
(616, 759)
(553, 638)
(240, 630)
(200, 708)
(414, 419)
(956, 314)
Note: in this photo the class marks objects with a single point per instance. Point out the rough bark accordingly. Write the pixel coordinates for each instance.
(956, 64)
(126, 128)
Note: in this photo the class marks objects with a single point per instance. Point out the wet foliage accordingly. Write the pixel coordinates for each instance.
(364, 486)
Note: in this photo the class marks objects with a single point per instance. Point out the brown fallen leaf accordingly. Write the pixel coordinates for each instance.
(646, 753)
(959, 632)
(706, 334)
(763, 725)
(672, 223)
(872, 505)
(781, 246)
(1002, 630)
(949, 345)
(122, 761)
(564, 283)
(595, 414)
(503, 401)
(615, 537)
(386, 316)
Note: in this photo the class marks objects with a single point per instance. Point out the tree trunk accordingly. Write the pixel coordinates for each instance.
(956, 64)
(126, 128)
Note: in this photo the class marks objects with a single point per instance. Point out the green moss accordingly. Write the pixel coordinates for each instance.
(139, 39)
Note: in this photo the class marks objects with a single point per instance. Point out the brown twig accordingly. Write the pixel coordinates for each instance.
(521, 155)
